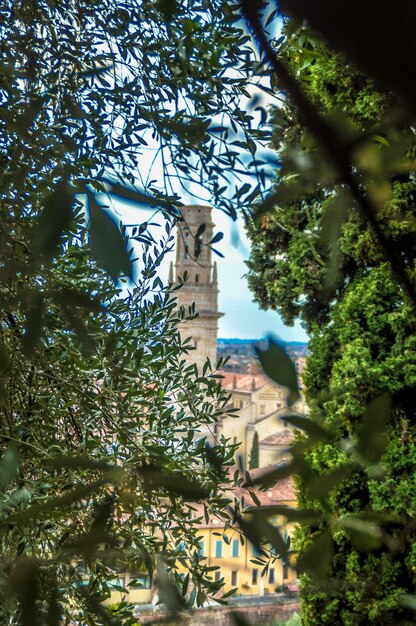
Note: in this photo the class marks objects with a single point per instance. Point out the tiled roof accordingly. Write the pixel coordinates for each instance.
(243, 382)
(281, 438)
(281, 493)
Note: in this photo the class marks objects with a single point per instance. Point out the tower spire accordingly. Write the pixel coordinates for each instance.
(215, 275)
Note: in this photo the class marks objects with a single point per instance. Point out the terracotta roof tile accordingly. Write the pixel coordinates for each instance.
(281, 493)
(281, 438)
(243, 382)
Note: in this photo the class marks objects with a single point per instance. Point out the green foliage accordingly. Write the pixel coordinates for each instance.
(96, 467)
(345, 28)
(99, 447)
(254, 454)
(317, 257)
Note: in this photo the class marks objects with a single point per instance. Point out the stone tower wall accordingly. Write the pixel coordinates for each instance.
(201, 285)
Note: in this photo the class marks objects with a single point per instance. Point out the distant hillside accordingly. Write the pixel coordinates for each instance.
(242, 350)
(237, 341)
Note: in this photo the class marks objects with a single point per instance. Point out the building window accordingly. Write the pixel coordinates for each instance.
(218, 549)
(236, 547)
(196, 278)
(256, 551)
(254, 576)
(278, 405)
(234, 441)
(117, 583)
(285, 570)
(262, 409)
(217, 575)
(241, 404)
(271, 576)
(234, 579)
(139, 581)
(201, 548)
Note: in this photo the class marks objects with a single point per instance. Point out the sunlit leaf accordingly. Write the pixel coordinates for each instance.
(277, 364)
(316, 559)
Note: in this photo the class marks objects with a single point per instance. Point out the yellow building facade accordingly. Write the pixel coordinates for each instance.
(132, 588)
(261, 405)
(236, 557)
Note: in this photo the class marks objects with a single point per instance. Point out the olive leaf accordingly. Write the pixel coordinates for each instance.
(278, 365)
(107, 242)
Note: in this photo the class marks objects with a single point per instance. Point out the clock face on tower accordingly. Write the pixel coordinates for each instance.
(194, 258)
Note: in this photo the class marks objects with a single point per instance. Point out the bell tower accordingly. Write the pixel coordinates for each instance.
(194, 256)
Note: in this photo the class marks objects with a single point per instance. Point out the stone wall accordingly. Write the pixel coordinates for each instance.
(255, 615)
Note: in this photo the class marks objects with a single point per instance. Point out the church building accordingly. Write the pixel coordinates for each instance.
(260, 402)
(257, 427)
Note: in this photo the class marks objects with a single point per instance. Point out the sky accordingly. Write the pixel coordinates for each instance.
(242, 317)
